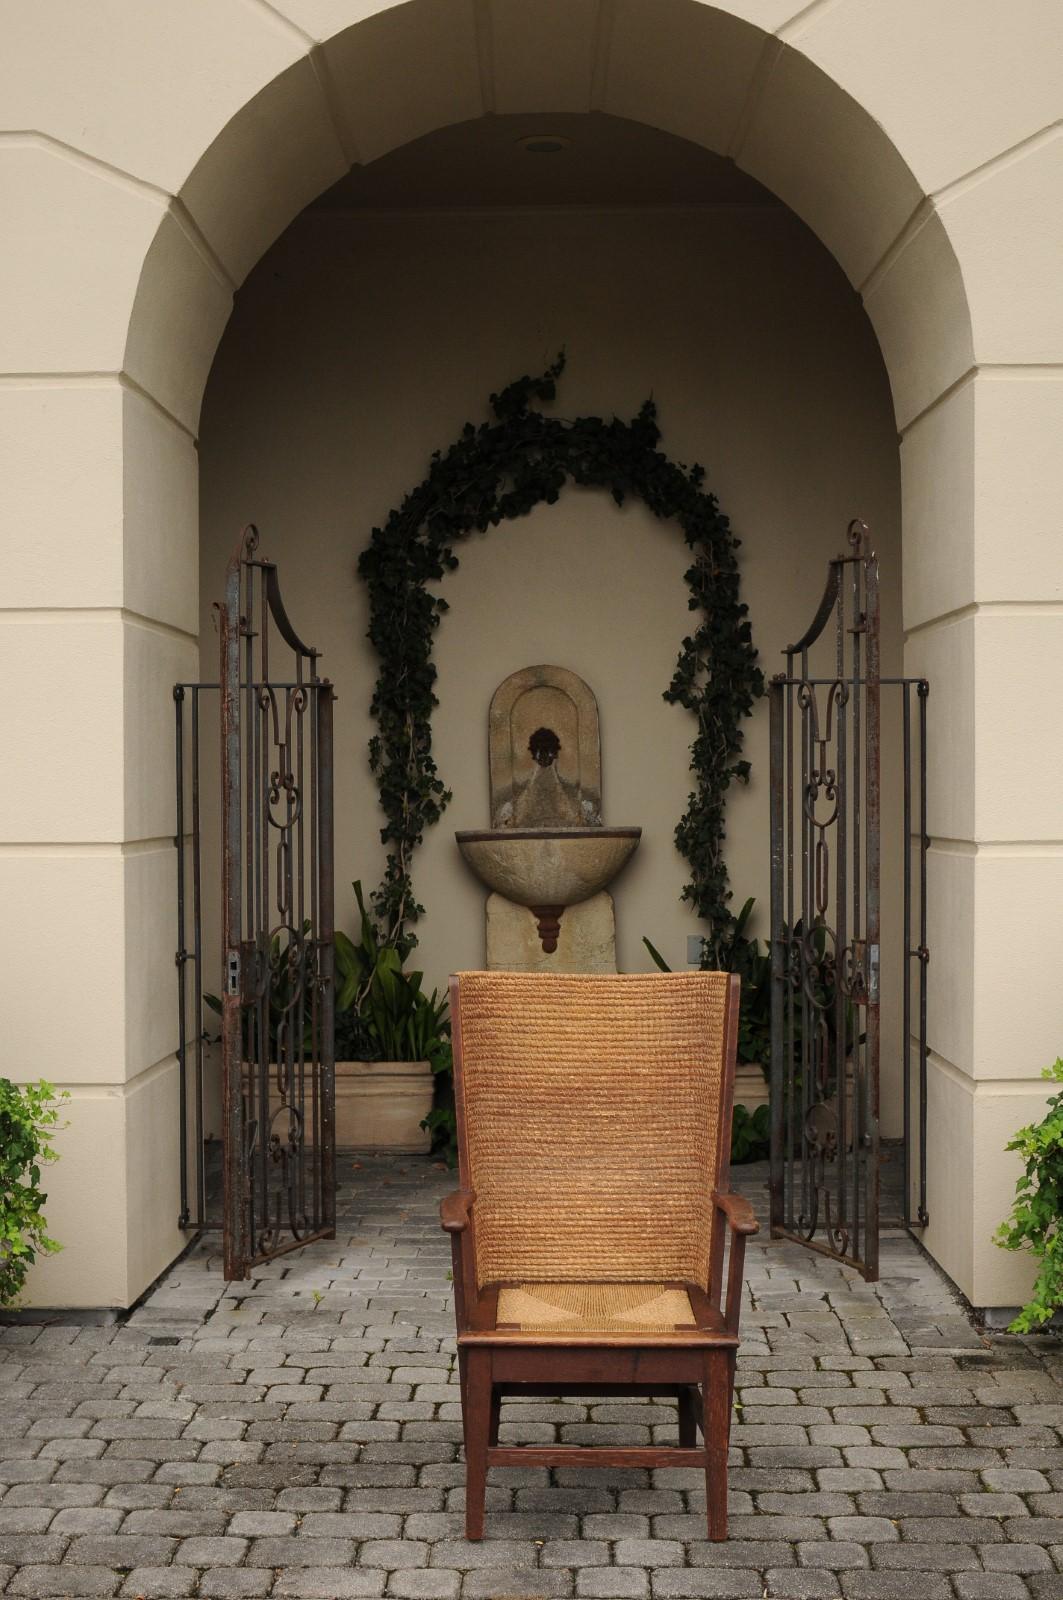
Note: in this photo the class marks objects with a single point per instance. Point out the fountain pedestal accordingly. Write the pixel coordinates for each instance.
(586, 938)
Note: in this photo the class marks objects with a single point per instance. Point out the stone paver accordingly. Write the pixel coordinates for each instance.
(299, 1435)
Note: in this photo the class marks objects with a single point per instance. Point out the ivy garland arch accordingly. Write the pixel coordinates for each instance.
(502, 470)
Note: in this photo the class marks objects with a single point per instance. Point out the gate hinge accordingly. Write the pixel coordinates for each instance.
(872, 973)
(232, 972)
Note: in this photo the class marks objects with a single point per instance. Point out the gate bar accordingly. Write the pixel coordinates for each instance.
(235, 1231)
(832, 1204)
(181, 956)
(779, 1119)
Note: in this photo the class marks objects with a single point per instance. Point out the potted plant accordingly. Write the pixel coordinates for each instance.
(391, 1040)
(751, 1125)
(742, 955)
(753, 966)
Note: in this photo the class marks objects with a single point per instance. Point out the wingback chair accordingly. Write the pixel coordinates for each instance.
(589, 1229)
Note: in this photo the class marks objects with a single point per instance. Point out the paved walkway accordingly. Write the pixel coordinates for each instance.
(298, 1435)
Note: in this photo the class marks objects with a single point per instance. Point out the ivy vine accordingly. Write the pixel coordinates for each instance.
(501, 470)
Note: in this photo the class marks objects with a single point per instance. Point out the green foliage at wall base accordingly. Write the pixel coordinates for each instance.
(28, 1114)
(750, 1130)
(501, 470)
(382, 1012)
(750, 1135)
(1037, 1214)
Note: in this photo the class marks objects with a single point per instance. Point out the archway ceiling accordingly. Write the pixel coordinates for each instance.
(609, 161)
(185, 66)
(682, 68)
(857, 115)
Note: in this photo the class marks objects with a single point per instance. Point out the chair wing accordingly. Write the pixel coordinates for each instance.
(594, 1115)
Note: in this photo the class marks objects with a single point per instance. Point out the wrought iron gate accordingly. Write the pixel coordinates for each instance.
(826, 932)
(275, 1093)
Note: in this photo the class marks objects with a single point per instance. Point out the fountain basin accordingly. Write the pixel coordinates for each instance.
(548, 867)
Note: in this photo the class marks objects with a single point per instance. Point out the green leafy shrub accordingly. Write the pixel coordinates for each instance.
(737, 953)
(750, 1135)
(1037, 1212)
(383, 1014)
(286, 979)
(28, 1114)
(750, 1130)
(381, 1009)
(442, 1120)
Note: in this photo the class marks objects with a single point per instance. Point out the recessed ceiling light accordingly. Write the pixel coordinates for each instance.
(544, 144)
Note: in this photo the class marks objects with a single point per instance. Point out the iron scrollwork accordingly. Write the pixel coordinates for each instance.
(825, 939)
(277, 869)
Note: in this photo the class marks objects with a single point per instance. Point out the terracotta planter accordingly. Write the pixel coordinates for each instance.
(380, 1105)
(850, 1105)
(751, 1091)
(751, 1086)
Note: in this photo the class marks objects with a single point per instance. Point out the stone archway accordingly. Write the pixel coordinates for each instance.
(151, 159)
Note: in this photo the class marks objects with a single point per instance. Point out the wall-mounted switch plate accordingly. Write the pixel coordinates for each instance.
(694, 943)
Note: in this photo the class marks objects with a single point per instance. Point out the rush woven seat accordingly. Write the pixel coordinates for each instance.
(589, 1230)
(595, 1307)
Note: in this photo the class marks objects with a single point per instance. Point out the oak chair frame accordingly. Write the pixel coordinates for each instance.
(496, 1362)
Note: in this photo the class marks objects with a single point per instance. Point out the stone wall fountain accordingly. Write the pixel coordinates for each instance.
(547, 857)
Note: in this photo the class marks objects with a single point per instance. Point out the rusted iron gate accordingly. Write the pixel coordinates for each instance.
(826, 928)
(273, 1188)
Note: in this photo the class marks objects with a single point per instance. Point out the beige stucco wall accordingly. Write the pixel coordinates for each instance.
(152, 153)
(360, 344)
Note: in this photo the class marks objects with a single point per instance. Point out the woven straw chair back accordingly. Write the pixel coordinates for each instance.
(590, 1113)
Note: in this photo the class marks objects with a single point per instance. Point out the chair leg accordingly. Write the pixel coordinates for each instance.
(732, 1359)
(716, 1427)
(462, 1365)
(688, 1417)
(477, 1418)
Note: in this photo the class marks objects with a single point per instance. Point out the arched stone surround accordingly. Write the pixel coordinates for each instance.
(156, 150)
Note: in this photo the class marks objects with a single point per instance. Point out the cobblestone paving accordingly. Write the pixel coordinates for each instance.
(298, 1435)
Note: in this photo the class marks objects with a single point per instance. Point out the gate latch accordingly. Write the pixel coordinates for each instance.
(872, 973)
(232, 972)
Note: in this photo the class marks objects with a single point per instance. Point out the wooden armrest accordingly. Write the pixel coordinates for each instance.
(454, 1210)
(739, 1213)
